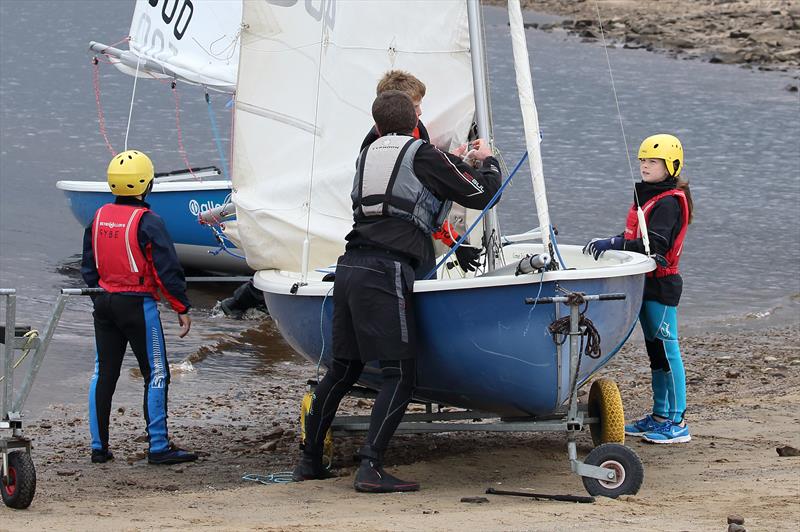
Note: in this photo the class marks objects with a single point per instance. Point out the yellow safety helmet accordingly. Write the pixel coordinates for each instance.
(666, 147)
(130, 173)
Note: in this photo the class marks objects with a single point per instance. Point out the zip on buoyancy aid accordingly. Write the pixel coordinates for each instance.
(385, 185)
(673, 255)
(120, 262)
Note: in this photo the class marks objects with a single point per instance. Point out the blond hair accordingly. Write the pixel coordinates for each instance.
(400, 80)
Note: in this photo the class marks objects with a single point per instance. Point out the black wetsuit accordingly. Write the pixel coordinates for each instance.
(374, 305)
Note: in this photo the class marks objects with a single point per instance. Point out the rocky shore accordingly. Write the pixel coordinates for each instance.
(762, 34)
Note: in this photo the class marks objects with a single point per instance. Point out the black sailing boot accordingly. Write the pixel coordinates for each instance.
(371, 477)
(310, 468)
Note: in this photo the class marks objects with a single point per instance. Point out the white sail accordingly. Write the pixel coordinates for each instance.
(530, 118)
(194, 40)
(307, 81)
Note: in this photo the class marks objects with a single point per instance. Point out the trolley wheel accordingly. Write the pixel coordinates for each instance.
(327, 450)
(625, 463)
(605, 404)
(20, 488)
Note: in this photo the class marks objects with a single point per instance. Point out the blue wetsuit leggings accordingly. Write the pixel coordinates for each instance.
(660, 327)
(120, 320)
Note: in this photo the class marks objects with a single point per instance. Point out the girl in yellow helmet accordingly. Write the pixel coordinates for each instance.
(667, 205)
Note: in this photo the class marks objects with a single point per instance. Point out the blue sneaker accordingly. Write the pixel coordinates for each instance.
(641, 426)
(668, 432)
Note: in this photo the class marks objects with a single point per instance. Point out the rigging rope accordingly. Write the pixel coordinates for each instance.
(101, 120)
(640, 214)
(478, 219)
(181, 148)
(133, 97)
(217, 139)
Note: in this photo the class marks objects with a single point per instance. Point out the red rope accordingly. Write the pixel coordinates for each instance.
(101, 120)
(181, 148)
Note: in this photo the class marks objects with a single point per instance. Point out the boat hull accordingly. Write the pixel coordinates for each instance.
(178, 204)
(481, 347)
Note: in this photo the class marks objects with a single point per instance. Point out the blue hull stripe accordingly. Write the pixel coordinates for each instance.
(159, 379)
(93, 426)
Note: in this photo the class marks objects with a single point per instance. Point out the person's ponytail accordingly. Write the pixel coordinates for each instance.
(683, 184)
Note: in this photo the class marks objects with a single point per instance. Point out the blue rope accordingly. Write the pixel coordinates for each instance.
(217, 139)
(222, 247)
(480, 216)
(555, 246)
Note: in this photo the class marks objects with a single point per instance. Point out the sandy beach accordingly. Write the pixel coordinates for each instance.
(744, 402)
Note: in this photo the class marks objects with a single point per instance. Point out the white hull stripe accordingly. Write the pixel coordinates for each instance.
(97, 219)
(134, 268)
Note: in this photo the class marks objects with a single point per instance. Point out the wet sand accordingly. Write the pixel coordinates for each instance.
(744, 403)
(762, 34)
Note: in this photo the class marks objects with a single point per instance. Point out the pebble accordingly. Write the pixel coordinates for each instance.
(474, 500)
(787, 450)
(271, 446)
(733, 527)
(735, 519)
(732, 374)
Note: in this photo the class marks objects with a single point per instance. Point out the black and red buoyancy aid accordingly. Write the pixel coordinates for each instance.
(120, 262)
(673, 255)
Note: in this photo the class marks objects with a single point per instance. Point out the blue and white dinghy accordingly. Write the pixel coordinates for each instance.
(197, 43)
(485, 342)
(481, 346)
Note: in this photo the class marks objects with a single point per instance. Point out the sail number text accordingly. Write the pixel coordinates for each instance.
(175, 17)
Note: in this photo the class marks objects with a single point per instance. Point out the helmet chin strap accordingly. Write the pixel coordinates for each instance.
(147, 190)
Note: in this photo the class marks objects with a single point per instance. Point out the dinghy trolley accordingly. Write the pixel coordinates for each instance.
(611, 469)
(17, 472)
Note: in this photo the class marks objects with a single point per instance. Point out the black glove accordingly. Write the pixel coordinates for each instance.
(468, 257)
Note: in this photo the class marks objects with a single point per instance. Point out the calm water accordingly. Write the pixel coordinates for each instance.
(740, 129)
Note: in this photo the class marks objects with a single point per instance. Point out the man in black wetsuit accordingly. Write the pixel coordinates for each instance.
(402, 192)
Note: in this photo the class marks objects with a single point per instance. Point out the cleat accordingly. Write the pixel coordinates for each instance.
(170, 456)
(668, 432)
(641, 426)
(371, 478)
(101, 456)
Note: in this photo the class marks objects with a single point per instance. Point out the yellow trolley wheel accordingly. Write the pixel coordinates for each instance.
(327, 451)
(605, 404)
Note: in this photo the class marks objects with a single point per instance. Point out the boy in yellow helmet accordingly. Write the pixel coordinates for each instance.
(128, 252)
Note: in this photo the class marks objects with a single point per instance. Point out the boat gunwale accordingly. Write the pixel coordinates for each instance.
(280, 282)
(181, 186)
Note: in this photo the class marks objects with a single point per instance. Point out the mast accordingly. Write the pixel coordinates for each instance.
(530, 118)
(482, 112)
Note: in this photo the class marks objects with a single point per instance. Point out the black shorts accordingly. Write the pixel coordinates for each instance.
(373, 311)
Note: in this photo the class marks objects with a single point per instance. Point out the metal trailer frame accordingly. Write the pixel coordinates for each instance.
(12, 436)
(570, 419)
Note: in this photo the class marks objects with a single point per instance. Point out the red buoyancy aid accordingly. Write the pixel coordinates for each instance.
(673, 255)
(120, 262)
